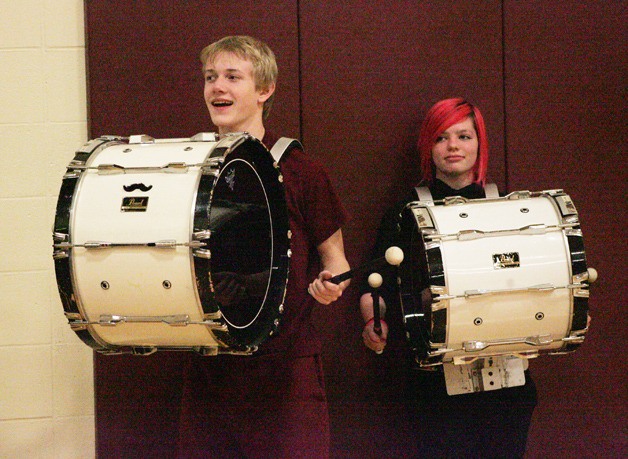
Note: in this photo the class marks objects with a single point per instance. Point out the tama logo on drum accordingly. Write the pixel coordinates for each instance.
(134, 204)
(506, 260)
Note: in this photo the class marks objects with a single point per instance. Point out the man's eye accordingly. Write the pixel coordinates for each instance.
(210, 78)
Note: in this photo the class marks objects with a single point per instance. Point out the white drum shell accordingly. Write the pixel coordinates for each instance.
(135, 276)
(487, 302)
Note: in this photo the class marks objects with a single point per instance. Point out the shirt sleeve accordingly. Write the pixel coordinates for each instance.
(319, 204)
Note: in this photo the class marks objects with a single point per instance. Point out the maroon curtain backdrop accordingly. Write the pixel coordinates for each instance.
(355, 80)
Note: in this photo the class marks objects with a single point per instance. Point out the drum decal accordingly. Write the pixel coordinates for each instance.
(230, 178)
(134, 204)
(137, 186)
(506, 260)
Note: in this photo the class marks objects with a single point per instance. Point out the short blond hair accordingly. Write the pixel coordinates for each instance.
(265, 69)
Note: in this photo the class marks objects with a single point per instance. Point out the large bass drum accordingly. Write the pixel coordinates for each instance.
(493, 277)
(172, 244)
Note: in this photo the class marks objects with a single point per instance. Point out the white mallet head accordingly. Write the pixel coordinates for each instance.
(592, 272)
(375, 280)
(394, 256)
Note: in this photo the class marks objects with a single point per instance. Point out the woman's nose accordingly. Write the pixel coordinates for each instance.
(452, 144)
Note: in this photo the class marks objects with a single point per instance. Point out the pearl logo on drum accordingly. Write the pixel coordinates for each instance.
(134, 204)
(506, 260)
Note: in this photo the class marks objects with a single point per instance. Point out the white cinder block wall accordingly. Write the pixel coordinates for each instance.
(46, 372)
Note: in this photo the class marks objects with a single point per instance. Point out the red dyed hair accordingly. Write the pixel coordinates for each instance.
(439, 118)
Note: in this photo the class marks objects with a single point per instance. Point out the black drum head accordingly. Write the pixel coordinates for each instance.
(249, 243)
(420, 269)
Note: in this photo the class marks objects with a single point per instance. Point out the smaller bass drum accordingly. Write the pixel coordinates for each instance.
(172, 244)
(490, 277)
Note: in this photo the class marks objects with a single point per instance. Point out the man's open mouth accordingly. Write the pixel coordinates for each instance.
(222, 103)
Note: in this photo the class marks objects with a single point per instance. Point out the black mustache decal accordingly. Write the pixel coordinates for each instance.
(137, 186)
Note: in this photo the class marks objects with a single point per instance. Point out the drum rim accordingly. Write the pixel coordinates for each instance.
(267, 319)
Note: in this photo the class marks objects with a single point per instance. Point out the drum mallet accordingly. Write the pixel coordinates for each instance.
(375, 281)
(393, 256)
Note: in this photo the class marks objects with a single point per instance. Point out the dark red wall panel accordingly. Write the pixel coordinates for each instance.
(355, 80)
(144, 68)
(566, 117)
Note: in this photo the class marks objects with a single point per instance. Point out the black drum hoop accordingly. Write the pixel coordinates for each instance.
(415, 279)
(262, 320)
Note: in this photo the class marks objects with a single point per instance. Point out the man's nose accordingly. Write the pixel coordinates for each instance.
(218, 85)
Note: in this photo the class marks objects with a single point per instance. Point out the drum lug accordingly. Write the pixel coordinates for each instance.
(60, 237)
(176, 168)
(72, 174)
(78, 325)
(73, 316)
(211, 316)
(110, 320)
(202, 253)
(210, 170)
(575, 232)
(576, 339)
(77, 162)
(201, 235)
(555, 192)
(422, 217)
(110, 169)
(231, 351)
(143, 350)
(76, 321)
(207, 351)
(60, 254)
(439, 352)
(518, 195)
(214, 325)
(140, 138)
(566, 205)
(426, 364)
(454, 200)
(204, 137)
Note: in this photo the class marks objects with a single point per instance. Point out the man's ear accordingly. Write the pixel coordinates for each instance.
(266, 92)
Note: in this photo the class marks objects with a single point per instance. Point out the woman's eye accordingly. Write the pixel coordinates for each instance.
(439, 139)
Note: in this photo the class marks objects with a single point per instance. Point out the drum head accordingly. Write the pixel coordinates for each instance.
(420, 268)
(249, 243)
